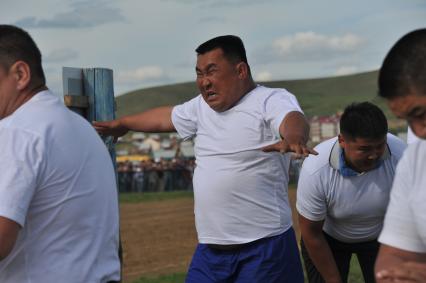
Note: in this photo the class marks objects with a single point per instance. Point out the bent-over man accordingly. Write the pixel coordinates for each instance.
(343, 193)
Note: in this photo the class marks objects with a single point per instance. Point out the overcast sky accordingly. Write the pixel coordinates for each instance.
(149, 43)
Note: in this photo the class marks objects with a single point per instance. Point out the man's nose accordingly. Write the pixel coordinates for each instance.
(374, 155)
(206, 83)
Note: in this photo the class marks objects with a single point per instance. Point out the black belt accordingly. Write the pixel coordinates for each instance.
(234, 247)
(228, 247)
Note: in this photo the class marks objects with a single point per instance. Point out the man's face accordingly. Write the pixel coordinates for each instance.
(8, 91)
(218, 80)
(412, 108)
(362, 154)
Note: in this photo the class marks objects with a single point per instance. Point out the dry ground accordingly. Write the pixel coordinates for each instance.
(159, 237)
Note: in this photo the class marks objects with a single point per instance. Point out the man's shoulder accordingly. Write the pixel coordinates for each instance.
(396, 145)
(263, 97)
(414, 153)
(264, 91)
(316, 163)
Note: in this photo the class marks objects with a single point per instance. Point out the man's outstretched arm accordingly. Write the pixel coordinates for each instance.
(153, 120)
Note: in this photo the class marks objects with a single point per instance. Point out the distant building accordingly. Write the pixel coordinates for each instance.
(324, 127)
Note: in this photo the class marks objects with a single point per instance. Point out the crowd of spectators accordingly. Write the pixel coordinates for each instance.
(155, 175)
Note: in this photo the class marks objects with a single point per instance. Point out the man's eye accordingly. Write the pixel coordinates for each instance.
(419, 114)
(211, 72)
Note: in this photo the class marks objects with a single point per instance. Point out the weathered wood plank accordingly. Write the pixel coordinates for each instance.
(99, 88)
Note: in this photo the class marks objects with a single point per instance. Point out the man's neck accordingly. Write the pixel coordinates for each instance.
(21, 99)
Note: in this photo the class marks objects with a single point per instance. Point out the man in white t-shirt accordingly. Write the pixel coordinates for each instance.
(343, 192)
(58, 198)
(402, 82)
(241, 129)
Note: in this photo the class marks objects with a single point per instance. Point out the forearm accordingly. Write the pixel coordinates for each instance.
(386, 260)
(322, 257)
(295, 128)
(392, 258)
(154, 120)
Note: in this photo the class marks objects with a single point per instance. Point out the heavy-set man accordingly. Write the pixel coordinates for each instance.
(242, 213)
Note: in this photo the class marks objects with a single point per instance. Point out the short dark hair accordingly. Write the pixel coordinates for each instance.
(403, 71)
(16, 44)
(363, 120)
(231, 45)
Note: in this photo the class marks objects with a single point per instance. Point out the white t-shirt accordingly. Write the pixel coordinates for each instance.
(240, 191)
(405, 220)
(353, 207)
(411, 137)
(57, 182)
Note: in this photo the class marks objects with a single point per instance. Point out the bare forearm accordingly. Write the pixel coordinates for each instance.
(154, 120)
(322, 257)
(392, 261)
(387, 260)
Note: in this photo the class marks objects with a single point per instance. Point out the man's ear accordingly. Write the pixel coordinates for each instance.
(243, 70)
(341, 140)
(22, 73)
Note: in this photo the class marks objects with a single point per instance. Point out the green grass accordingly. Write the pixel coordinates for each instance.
(154, 196)
(171, 278)
(355, 276)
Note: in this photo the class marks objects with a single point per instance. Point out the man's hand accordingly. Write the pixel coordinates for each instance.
(407, 272)
(110, 128)
(299, 150)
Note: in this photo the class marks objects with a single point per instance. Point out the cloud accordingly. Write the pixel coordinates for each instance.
(263, 76)
(310, 42)
(346, 70)
(83, 14)
(212, 19)
(235, 3)
(141, 74)
(308, 46)
(220, 3)
(61, 55)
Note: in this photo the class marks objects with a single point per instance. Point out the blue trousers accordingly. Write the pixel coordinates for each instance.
(269, 260)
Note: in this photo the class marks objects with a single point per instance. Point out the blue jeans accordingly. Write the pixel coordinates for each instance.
(268, 260)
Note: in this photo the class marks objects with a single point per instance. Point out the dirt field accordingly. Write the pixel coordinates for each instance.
(159, 237)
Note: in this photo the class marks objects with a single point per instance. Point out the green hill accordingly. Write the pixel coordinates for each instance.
(323, 96)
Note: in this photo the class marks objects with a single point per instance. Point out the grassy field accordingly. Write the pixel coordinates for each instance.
(166, 198)
(150, 196)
